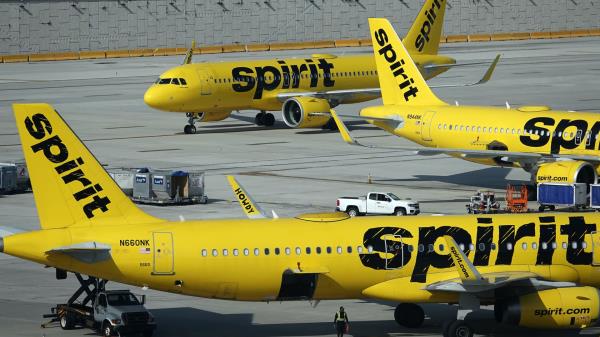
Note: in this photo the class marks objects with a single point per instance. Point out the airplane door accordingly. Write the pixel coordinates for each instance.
(205, 82)
(426, 124)
(595, 248)
(163, 254)
(394, 256)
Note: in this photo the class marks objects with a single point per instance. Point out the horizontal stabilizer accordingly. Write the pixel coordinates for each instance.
(87, 252)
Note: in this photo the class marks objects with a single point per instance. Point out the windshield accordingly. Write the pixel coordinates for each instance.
(122, 299)
(393, 196)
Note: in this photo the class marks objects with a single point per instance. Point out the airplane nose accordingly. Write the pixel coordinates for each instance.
(151, 98)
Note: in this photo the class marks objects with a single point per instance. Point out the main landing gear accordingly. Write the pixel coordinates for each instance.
(190, 128)
(264, 118)
(411, 315)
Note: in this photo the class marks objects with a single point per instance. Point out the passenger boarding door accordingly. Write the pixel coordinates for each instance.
(206, 83)
(595, 249)
(426, 124)
(394, 252)
(164, 254)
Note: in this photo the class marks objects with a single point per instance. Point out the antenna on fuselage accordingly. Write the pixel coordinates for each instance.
(507, 106)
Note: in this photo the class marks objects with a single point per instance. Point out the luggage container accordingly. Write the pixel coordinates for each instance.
(565, 195)
(8, 178)
(141, 186)
(23, 183)
(169, 187)
(595, 196)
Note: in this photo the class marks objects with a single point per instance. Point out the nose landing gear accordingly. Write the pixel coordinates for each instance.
(190, 128)
(264, 118)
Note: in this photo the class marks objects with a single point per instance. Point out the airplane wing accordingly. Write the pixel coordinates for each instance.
(248, 205)
(342, 96)
(471, 281)
(87, 252)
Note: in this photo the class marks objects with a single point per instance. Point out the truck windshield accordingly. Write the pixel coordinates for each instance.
(122, 299)
(393, 196)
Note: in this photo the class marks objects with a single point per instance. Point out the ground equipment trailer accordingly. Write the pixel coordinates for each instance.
(110, 312)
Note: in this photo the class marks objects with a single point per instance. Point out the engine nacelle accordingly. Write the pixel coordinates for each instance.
(569, 171)
(297, 112)
(560, 308)
(213, 116)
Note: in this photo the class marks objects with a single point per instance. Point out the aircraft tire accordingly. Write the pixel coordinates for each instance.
(459, 328)
(189, 129)
(269, 119)
(259, 119)
(409, 315)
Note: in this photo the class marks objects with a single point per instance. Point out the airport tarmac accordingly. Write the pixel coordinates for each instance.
(289, 171)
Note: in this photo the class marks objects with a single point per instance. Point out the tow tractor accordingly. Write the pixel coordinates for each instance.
(110, 312)
(483, 202)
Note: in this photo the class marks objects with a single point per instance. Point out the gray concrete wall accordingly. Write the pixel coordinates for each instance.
(29, 26)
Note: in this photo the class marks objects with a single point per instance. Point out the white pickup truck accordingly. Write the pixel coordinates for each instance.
(377, 203)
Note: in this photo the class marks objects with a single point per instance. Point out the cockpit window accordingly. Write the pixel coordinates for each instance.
(182, 81)
(175, 81)
(164, 81)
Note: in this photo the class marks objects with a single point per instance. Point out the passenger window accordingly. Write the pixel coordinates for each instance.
(496, 130)
(471, 246)
(204, 252)
(430, 247)
(235, 252)
(564, 245)
(524, 245)
(421, 248)
(256, 251)
(225, 252)
(359, 249)
(298, 250)
(450, 127)
(182, 81)
(215, 252)
(175, 81)
(544, 246)
(318, 250)
(493, 246)
(339, 250)
(574, 245)
(370, 249)
(534, 246)
(584, 245)
(328, 250)
(307, 250)
(481, 247)
(410, 248)
(501, 130)
(554, 245)
(349, 249)
(441, 247)
(509, 246)
(287, 250)
(461, 247)
(267, 251)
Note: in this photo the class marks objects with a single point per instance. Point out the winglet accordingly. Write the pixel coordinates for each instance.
(488, 74)
(466, 269)
(189, 53)
(251, 208)
(343, 129)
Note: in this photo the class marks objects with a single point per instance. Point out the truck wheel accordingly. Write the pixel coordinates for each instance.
(107, 330)
(66, 321)
(352, 211)
(400, 211)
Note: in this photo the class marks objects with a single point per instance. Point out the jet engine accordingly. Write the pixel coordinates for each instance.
(213, 116)
(570, 171)
(299, 112)
(560, 308)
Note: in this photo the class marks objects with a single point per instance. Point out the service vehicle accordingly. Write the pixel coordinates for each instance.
(112, 312)
(551, 195)
(377, 203)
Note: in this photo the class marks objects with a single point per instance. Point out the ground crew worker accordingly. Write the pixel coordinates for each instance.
(340, 322)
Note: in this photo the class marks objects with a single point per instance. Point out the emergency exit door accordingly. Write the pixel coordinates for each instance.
(426, 124)
(163, 254)
(205, 82)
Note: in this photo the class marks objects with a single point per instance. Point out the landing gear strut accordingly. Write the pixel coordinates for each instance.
(467, 303)
(190, 128)
(264, 118)
(409, 315)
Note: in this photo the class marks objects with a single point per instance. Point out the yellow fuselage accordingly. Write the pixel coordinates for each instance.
(209, 258)
(527, 129)
(221, 87)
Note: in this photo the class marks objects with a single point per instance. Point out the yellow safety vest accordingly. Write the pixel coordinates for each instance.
(341, 316)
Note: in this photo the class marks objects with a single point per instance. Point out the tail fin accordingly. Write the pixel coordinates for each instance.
(69, 185)
(400, 80)
(424, 35)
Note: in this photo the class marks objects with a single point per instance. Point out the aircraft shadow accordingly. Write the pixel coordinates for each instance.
(191, 322)
(490, 177)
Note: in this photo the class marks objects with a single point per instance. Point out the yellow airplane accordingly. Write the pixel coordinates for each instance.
(554, 146)
(210, 91)
(539, 271)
